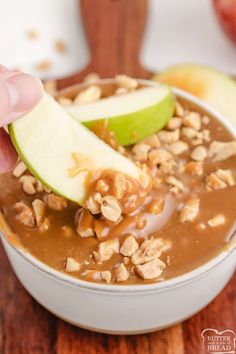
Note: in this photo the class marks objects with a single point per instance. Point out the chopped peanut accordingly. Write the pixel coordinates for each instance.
(39, 187)
(216, 221)
(189, 133)
(44, 225)
(110, 208)
(19, 170)
(46, 189)
(151, 269)
(177, 186)
(190, 210)
(196, 141)
(192, 120)
(109, 247)
(129, 246)
(91, 78)
(178, 148)
(174, 123)
(205, 120)
(214, 182)
(92, 275)
(194, 168)
(64, 101)
(150, 250)
(169, 137)
(167, 167)
(106, 275)
(55, 202)
(101, 257)
(219, 151)
(126, 260)
(39, 211)
(90, 94)
(179, 109)
(72, 265)
(199, 153)
(158, 156)
(141, 151)
(226, 176)
(28, 184)
(25, 214)
(121, 273)
(206, 135)
(85, 223)
(101, 229)
(126, 81)
(153, 141)
(93, 205)
(106, 249)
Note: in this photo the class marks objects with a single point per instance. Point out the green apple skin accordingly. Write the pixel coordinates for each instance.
(212, 86)
(132, 116)
(45, 139)
(131, 128)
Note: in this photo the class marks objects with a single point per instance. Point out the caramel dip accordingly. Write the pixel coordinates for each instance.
(123, 234)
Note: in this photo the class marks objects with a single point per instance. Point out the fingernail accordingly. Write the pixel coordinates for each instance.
(24, 91)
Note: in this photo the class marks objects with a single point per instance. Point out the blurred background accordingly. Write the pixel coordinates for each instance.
(46, 37)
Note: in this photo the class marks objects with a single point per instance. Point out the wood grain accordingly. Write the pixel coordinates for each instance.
(114, 31)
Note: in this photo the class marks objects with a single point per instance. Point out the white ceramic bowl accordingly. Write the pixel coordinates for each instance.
(125, 309)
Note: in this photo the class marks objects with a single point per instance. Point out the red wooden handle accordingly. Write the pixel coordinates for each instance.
(114, 30)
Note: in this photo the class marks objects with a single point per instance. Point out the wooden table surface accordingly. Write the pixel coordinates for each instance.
(114, 33)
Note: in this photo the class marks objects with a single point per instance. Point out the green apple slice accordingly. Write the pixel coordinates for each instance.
(52, 144)
(132, 116)
(212, 86)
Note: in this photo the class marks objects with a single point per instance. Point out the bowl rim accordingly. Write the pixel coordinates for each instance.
(139, 289)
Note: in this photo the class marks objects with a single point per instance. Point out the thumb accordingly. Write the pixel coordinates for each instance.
(19, 94)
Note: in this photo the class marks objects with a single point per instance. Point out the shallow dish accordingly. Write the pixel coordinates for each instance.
(124, 309)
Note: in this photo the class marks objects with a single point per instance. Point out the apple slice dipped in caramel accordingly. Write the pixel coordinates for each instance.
(63, 154)
(132, 116)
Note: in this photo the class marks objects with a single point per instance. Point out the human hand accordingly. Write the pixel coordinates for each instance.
(19, 93)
